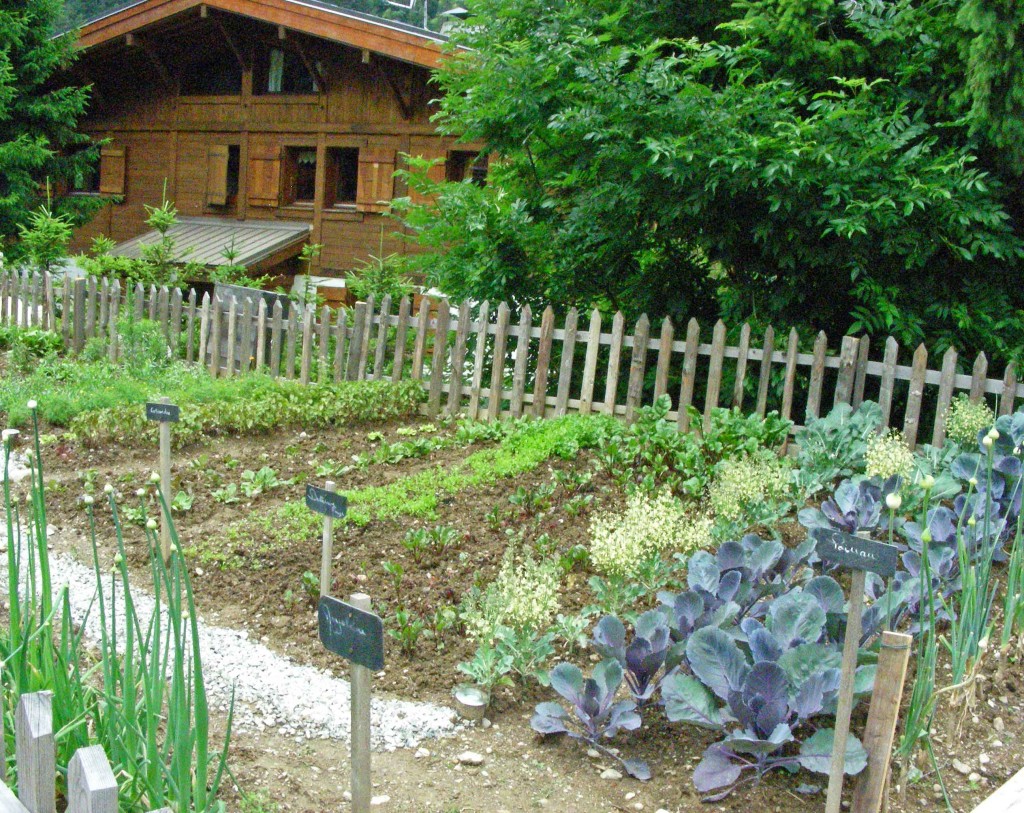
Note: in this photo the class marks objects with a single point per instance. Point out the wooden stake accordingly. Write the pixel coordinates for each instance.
(893, 657)
(165, 485)
(360, 676)
(327, 550)
(851, 643)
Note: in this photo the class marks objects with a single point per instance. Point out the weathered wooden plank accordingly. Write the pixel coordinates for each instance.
(50, 321)
(355, 344)
(245, 355)
(91, 302)
(323, 341)
(232, 336)
(5, 296)
(945, 396)
(364, 346)
(261, 335)
(190, 327)
(112, 334)
(16, 303)
(36, 311)
(496, 395)
(611, 382)
(637, 367)
(9, 802)
(912, 417)
(35, 753)
(291, 339)
(175, 322)
(92, 787)
(276, 325)
(401, 331)
(104, 316)
(689, 374)
(340, 330)
(458, 360)
(742, 351)
(307, 343)
(438, 358)
(479, 355)
(78, 314)
(568, 359)
(540, 380)
(522, 358)
(886, 385)
(664, 358)
(1008, 798)
(216, 309)
(66, 314)
(163, 314)
(764, 376)
(420, 343)
(204, 328)
(139, 302)
(714, 372)
(590, 363)
(814, 386)
(153, 298)
(847, 371)
(861, 375)
(978, 375)
(380, 351)
(1006, 398)
(789, 375)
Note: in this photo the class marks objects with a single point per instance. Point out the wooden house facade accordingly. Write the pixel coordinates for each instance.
(274, 111)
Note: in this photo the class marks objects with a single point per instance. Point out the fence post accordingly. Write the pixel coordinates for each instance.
(540, 380)
(78, 314)
(847, 371)
(714, 372)
(476, 383)
(458, 360)
(498, 363)
(401, 330)
(437, 362)
(689, 374)
(637, 365)
(741, 366)
(382, 338)
(112, 315)
(913, 414)
(568, 358)
(36, 758)
(946, 381)
(92, 787)
(764, 376)
(522, 356)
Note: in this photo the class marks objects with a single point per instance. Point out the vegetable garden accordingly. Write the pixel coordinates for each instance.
(655, 595)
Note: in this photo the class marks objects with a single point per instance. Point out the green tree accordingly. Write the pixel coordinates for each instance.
(38, 140)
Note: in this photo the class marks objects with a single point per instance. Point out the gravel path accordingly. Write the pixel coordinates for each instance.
(270, 690)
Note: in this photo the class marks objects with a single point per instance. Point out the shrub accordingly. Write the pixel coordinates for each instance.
(523, 596)
(888, 455)
(966, 418)
(621, 543)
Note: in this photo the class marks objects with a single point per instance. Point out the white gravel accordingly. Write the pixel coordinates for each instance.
(271, 691)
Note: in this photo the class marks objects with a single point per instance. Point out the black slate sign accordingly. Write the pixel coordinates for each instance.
(326, 502)
(164, 413)
(354, 634)
(853, 552)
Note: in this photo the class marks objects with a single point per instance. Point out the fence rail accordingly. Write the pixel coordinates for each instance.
(488, 361)
(91, 786)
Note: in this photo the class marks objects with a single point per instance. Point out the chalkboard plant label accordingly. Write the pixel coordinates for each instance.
(846, 550)
(326, 502)
(163, 413)
(354, 634)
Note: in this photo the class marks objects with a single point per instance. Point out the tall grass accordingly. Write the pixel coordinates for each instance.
(143, 696)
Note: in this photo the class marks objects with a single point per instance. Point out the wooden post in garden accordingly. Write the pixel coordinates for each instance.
(92, 787)
(165, 413)
(362, 786)
(36, 757)
(327, 550)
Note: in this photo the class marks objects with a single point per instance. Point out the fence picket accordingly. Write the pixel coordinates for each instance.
(139, 304)
(946, 382)
(291, 339)
(364, 346)
(78, 314)
(275, 339)
(479, 356)
(307, 343)
(522, 357)
(765, 373)
(458, 360)
(714, 372)
(245, 353)
(912, 416)
(847, 371)
(637, 365)
(323, 340)
(92, 787)
(689, 375)
(664, 358)
(261, 335)
(37, 301)
(420, 344)
(568, 358)
(190, 326)
(50, 314)
(112, 337)
(590, 363)
(104, 317)
(885, 391)
(65, 309)
(789, 376)
(611, 385)
(204, 328)
(5, 296)
(354, 345)
(978, 374)
(153, 297)
(216, 306)
(741, 366)
(1007, 397)
(437, 361)
(380, 351)
(35, 753)
(401, 330)
(861, 374)
(232, 336)
(175, 320)
(339, 344)
(817, 381)
(540, 380)
(163, 310)
(496, 393)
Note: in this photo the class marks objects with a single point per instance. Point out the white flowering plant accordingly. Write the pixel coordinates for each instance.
(888, 455)
(749, 491)
(965, 419)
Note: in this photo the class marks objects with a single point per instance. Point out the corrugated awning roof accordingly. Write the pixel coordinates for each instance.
(204, 239)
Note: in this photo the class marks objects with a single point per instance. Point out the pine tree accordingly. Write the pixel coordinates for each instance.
(38, 114)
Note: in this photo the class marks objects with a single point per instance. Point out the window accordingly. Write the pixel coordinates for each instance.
(86, 178)
(464, 164)
(301, 175)
(286, 72)
(222, 175)
(220, 76)
(342, 176)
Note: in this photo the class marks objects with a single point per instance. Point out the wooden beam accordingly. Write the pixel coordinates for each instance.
(135, 41)
(404, 106)
(282, 32)
(311, 65)
(230, 40)
(204, 11)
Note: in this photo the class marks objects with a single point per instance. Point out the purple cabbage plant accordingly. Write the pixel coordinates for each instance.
(857, 505)
(646, 660)
(595, 714)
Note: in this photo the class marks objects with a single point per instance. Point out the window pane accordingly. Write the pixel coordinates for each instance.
(275, 72)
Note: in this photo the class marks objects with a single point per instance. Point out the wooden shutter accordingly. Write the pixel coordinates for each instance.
(436, 174)
(112, 170)
(264, 179)
(376, 180)
(217, 175)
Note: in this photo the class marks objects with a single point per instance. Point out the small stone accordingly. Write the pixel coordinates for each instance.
(376, 801)
(347, 796)
(610, 773)
(421, 753)
(845, 805)
(485, 723)
(999, 725)
(631, 795)
(984, 759)
(961, 767)
(470, 758)
(593, 753)
(974, 778)
(661, 810)
(638, 805)
(997, 743)
(199, 571)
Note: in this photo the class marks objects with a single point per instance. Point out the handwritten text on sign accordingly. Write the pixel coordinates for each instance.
(164, 413)
(354, 634)
(326, 502)
(853, 552)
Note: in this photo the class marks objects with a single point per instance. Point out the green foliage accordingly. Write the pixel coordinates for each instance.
(834, 446)
(733, 434)
(45, 237)
(379, 276)
(255, 541)
(27, 345)
(749, 491)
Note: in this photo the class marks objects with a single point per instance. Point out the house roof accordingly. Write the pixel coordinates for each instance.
(204, 239)
(397, 40)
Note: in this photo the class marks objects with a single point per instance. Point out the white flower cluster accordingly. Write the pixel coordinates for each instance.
(524, 596)
(888, 455)
(966, 418)
(742, 483)
(621, 543)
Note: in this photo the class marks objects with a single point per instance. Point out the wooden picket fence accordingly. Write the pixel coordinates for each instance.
(487, 362)
(91, 786)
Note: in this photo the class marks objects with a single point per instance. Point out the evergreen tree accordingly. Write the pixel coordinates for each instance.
(38, 140)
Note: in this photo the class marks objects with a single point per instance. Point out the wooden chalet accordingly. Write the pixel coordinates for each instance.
(285, 114)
